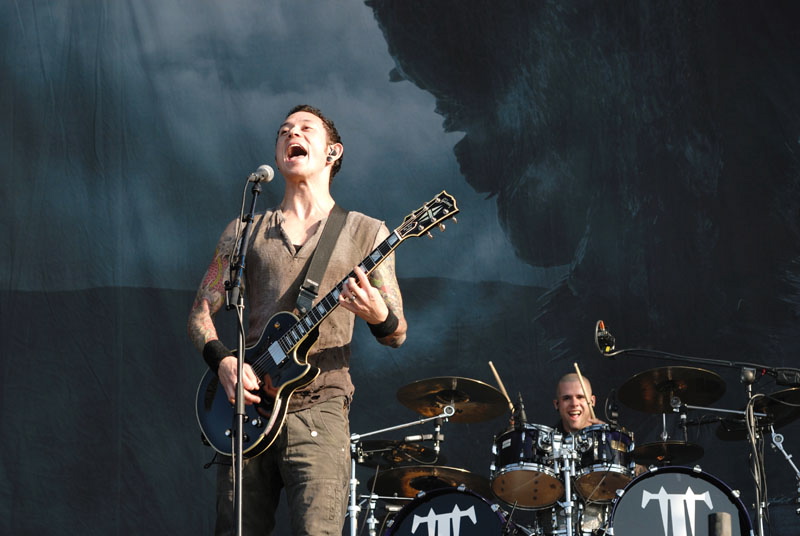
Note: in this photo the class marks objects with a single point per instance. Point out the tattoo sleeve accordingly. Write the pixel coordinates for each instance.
(384, 279)
(211, 294)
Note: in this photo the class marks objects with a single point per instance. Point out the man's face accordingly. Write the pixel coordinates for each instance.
(572, 406)
(302, 145)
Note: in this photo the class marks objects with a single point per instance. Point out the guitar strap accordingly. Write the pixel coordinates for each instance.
(309, 290)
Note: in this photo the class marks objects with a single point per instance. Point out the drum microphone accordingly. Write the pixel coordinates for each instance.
(520, 419)
(264, 173)
(604, 341)
(420, 437)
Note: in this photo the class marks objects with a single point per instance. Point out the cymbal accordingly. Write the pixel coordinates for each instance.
(667, 453)
(651, 391)
(387, 453)
(473, 401)
(408, 481)
(781, 408)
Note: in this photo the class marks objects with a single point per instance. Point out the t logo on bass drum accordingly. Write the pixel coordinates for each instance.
(681, 507)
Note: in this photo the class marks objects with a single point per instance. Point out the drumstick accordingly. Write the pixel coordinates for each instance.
(502, 388)
(585, 393)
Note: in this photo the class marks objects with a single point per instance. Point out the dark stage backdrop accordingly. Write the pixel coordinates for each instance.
(634, 162)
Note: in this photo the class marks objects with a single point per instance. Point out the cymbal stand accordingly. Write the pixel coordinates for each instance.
(777, 443)
(354, 508)
(568, 457)
(372, 521)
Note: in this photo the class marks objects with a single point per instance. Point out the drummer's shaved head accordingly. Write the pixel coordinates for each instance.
(573, 377)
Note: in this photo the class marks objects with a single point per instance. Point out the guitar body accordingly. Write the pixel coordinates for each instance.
(280, 376)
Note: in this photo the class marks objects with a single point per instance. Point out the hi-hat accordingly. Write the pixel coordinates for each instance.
(387, 453)
(652, 391)
(408, 481)
(667, 453)
(781, 408)
(473, 401)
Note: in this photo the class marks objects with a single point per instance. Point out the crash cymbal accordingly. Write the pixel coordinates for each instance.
(651, 391)
(667, 453)
(387, 453)
(781, 408)
(408, 481)
(473, 401)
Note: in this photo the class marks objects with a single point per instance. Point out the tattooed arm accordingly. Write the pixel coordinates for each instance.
(209, 300)
(384, 279)
(371, 298)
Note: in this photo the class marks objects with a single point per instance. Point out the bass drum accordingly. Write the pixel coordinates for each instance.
(676, 501)
(449, 511)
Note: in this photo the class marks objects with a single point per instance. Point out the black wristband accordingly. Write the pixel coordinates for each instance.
(214, 352)
(387, 327)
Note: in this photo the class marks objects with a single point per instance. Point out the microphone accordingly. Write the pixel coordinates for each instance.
(520, 419)
(420, 437)
(604, 341)
(264, 173)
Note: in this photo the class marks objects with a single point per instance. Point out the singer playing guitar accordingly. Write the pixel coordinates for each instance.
(309, 458)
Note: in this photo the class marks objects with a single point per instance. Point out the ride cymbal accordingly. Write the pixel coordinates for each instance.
(474, 401)
(387, 453)
(652, 391)
(780, 407)
(667, 453)
(408, 481)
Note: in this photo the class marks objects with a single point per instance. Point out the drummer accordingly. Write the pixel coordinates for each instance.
(573, 406)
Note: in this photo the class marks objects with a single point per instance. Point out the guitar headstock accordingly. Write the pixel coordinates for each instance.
(434, 212)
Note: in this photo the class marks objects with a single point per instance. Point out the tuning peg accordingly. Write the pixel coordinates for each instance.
(441, 227)
(429, 235)
(455, 220)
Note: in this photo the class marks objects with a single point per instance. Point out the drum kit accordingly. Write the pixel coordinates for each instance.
(545, 482)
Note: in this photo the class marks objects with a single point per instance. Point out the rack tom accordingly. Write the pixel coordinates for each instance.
(605, 462)
(524, 473)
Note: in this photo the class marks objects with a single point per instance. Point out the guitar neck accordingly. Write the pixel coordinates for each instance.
(327, 304)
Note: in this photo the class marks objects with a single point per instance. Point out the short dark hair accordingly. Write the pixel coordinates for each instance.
(330, 129)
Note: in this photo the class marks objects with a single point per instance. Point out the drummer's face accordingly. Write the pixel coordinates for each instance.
(572, 405)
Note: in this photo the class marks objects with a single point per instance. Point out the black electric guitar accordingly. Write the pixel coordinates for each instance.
(279, 356)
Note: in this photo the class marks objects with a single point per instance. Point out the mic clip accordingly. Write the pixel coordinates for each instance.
(603, 340)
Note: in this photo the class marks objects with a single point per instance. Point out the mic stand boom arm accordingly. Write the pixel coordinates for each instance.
(783, 375)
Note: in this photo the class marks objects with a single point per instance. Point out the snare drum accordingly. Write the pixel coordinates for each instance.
(450, 511)
(606, 462)
(676, 501)
(523, 472)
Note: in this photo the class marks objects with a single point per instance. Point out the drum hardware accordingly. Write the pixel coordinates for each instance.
(777, 444)
(386, 453)
(391, 509)
(568, 456)
(354, 508)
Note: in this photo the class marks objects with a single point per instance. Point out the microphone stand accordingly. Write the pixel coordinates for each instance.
(235, 299)
(605, 343)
